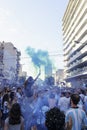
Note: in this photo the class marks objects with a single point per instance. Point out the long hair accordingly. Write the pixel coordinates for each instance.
(15, 114)
(28, 81)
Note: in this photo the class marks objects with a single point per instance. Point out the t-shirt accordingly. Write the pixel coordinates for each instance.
(52, 102)
(63, 103)
(78, 118)
(14, 127)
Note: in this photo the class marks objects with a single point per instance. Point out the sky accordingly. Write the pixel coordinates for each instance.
(35, 23)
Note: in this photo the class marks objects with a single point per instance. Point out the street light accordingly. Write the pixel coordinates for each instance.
(78, 42)
(81, 44)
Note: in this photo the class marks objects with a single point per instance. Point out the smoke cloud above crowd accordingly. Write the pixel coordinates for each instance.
(38, 57)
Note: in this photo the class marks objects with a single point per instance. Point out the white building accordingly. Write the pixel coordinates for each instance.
(9, 62)
(75, 42)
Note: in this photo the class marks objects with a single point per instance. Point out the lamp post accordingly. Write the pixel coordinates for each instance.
(77, 42)
(81, 43)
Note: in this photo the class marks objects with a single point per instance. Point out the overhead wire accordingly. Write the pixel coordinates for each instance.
(30, 57)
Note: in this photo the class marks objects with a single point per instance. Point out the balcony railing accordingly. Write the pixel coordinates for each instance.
(77, 72)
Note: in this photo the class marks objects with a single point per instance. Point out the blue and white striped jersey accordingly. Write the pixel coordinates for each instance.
(78, 118)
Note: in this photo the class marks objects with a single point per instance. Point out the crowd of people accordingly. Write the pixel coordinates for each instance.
(33, 107)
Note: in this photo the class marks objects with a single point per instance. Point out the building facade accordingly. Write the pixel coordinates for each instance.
(59, 77)
(9, 63)
(75, 42)
(48, 70)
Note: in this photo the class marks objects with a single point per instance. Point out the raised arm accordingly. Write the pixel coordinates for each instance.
(38, 75)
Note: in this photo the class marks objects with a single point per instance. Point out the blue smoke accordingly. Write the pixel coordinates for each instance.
(38, 57)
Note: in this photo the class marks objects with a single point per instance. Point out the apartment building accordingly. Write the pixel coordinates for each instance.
(75, 42)
(9, 62)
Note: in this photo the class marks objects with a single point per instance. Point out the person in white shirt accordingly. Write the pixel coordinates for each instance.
(64, 102)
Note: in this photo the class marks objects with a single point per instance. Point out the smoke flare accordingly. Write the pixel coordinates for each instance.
(38, 57)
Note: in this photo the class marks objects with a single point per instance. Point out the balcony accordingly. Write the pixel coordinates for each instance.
(78, 55)
(78, 47)
(18, 53)
(77, 64)
(78, 72)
